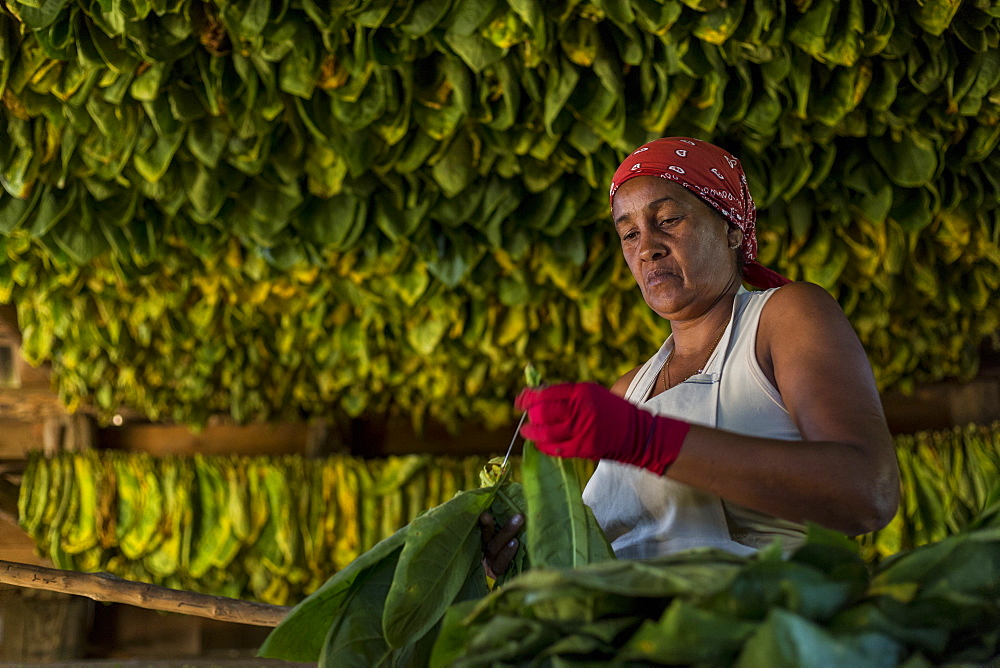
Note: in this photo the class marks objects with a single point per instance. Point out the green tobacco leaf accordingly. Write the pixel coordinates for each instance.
(910, 162)
(248, 19)
(960, 564)
(299, 636)
(425, 335)
(442, 546)
(452, 259)
(619, 11)
(298, 71)
(833, 553)
(357, 113)
(41, 15)
(146, 86)
(772, 581)
(477, 51)
(467, 15)
(688, 635)
(599, 549)
(559, 86)
(425, 16)
(719, 25)
(456, 168)
(868, 618)
(15, 211)
(809, 32)
(153, 164)
(785, 639)
(78, 239)
(512, 291)
(270, 208)
(398, 224)
(508, 640)
(454, 636)
(558, 533)
(207, 140)
(694, 572)
(334, 222)
(355, 637)
(934, 16)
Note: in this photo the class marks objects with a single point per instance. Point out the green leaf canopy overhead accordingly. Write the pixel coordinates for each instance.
(282, 209)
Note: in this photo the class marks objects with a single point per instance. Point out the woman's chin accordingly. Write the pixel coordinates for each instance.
(663, 305)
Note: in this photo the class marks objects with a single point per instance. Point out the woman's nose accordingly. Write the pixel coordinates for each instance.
(651, 248)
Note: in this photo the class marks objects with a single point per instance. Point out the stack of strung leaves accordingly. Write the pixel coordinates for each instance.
(945, 479)
(263, 528)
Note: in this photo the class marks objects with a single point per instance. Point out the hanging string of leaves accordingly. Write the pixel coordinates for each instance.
(277, 209)
(271, 529)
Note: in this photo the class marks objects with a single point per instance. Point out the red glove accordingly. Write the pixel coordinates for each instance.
(585, 420)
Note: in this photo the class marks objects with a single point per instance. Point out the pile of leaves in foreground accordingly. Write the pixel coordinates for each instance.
(822, 605)
(932, 605)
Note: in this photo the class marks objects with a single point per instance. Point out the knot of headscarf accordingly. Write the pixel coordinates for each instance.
(716, 177)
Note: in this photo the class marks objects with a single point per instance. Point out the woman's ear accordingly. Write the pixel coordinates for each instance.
(735, 237)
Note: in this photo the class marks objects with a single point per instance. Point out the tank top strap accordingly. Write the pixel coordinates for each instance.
(641, 385)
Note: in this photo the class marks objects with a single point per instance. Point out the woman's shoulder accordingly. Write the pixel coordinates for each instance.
(801, 313)
(799, 300)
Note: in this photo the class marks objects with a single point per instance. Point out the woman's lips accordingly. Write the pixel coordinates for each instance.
(657, 276)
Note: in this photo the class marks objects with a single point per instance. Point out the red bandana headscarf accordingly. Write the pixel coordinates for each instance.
(713, 175)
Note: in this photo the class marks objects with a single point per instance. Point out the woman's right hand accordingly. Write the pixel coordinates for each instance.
(499, 544)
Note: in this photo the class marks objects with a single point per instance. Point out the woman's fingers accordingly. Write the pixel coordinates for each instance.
(502, 560)
(488, 527)
(499, 545)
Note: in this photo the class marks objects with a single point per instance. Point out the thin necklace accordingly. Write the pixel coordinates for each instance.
(666, 367)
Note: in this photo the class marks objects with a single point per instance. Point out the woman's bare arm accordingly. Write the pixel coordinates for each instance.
(843, 474)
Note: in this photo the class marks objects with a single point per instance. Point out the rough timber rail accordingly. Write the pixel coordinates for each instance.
(112, 589)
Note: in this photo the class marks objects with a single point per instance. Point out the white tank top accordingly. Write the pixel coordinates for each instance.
(645, 515)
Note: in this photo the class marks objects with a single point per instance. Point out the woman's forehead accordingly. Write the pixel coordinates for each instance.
(650, 191)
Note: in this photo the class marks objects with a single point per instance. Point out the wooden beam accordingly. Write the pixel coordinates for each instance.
(31, 404)
(111, 589)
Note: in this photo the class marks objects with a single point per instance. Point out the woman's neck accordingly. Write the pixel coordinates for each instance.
(693, 336)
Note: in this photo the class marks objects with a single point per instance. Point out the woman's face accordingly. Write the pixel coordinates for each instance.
(676, 245)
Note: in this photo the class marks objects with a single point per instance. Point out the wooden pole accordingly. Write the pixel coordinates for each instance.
(111, 589)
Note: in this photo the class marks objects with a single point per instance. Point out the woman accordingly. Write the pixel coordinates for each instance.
(759, 412)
